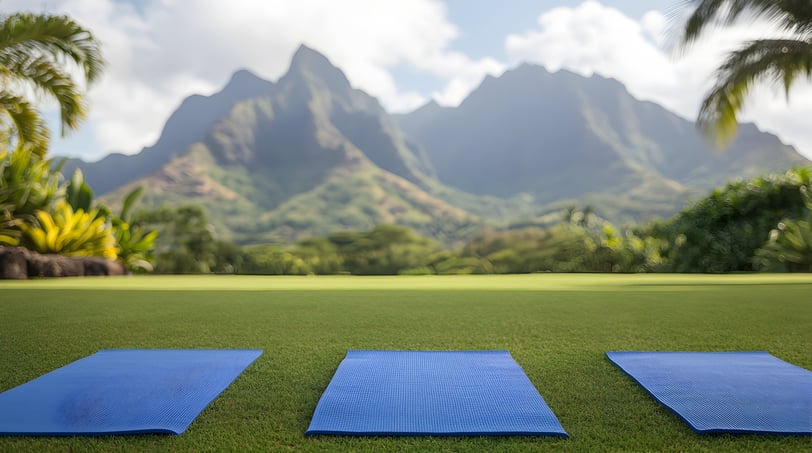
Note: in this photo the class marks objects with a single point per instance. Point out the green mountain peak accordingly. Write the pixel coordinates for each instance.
(309, 155)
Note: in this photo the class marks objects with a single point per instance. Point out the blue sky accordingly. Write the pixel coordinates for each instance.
(484, 26)
(405, 52)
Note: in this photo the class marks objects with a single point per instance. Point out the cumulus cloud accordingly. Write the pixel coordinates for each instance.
(160, 51)
(593, 38)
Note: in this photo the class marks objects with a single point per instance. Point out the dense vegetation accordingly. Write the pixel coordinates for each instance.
(42, 212)
(39, 210)
(723, 231)
(761, 224)
(752, 225)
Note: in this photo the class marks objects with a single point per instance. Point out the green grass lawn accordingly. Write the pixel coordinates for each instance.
(557, 327)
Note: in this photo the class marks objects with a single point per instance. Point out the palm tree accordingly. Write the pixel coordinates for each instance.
(40, 54)
(779, 60)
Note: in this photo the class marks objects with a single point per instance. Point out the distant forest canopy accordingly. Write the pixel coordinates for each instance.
(764, 224)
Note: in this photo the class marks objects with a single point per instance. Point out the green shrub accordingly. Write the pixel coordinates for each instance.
(9, 231)
(134, 242)
(271, 260)
(789, 248)
(27, 185)
(71, 233)
(722, 232)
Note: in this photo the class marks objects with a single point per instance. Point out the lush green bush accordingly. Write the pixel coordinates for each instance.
(37, 211)
(27, 186)
(134, 242)
(579, 245)
(71, 233)
(185, 242)
(272, 260)
(722, 232)
(632, 252)
(320, 256)
(789, 248)
(384, 250)
(9, 231)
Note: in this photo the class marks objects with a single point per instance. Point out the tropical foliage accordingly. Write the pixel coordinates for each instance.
(721, 232)
(28, 182)
(761, 224)
(42, 54)
(790, 245)
(27, 185)
(134, 242)
(184, 241)
(392, 249)
(40, 212)
(9, 235)
(781, 61)
(70, 233)
(384, 250)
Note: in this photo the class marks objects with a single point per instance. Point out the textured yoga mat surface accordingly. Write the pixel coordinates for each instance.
(737, 392)
(122, 392)
(451, 393)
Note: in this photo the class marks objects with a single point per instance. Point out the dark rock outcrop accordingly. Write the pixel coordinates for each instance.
(19, 264)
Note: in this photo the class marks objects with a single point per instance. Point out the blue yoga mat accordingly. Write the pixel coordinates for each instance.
(726, 392)
(122, 392)
(444, 393)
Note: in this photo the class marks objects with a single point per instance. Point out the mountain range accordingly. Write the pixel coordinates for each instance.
(309, 154)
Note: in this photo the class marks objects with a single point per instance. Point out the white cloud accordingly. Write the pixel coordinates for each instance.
(161, 51)
(593, 38)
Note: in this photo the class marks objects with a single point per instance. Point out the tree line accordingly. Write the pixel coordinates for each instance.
(764, 224)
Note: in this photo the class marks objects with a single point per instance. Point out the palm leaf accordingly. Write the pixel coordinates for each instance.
(25, 121)
(780, 61)
(793, 16)
(57, 37)
(78, 194)
(129, 201)
(42, 52)
(48, 78)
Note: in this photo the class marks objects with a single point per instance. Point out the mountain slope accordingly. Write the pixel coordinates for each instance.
(563, 136)
(310, 156)
(187, 125)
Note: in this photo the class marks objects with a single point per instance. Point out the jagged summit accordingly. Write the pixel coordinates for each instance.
(244, 84)
(243, 76)
(314, 65)
(309, 154)
(307, 56)
(312, 76)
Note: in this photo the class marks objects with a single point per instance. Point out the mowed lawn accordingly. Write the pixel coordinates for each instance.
(557, 327)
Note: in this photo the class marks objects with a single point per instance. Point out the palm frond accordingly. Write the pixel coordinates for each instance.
(40, 51)
(56, 37)
(25, 122)
(793, 16)
(781, 61)
(47, 77)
